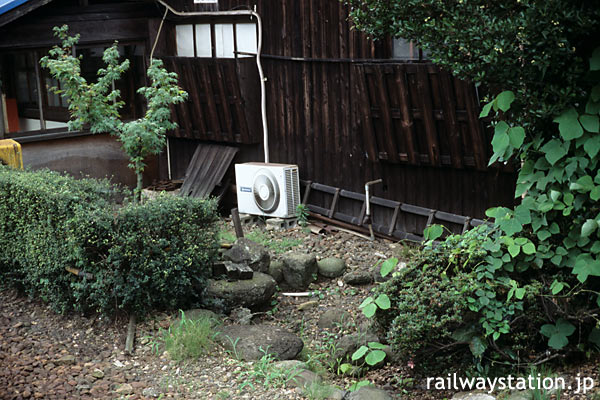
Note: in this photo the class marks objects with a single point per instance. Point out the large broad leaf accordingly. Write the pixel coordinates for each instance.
(485, 111)
(433, 232)
(554, 151)
(500, 141)
(558, 334)
(383, 301)
(388, 266)
(583, 184)
(516, 136)
(358, 354)
(585, 266)
(568, 124)
(369, 310)
(591, 123)
(375, 357)
(592, 146)
(505, 99)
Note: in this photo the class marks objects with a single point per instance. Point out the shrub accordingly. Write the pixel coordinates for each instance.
(435, 313)
(148, 256)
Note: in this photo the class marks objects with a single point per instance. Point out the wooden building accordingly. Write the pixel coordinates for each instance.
(345, 108)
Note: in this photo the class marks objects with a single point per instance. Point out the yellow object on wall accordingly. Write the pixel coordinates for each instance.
(10, 153)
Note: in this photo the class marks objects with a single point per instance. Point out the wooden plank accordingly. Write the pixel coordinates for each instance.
(475, 129)
(424, 88)
(213, 116)
(193, 88)
(389, 138)
(362, 102)
(206, 169)
(394, 219)
(234, 85)
(334, 202)
(450, 118)
(229, 135)
(407, 119)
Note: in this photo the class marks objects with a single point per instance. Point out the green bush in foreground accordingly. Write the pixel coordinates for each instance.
(142, 257)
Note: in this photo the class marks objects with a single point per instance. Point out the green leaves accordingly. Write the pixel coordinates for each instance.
(516, 136)
(558, 334)
(501, 140)
(433, 232)
(588, 227)
(554, 150)
(568, 125)
(373, 351)
(505, 99)
(369, 306)
(591, 123)
(388, 266)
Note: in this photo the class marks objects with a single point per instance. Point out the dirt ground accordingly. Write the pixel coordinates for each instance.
(48, 356)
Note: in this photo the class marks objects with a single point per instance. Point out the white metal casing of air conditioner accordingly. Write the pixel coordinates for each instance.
(267, 189)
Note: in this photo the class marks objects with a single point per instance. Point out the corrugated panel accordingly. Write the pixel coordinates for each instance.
(206, 169)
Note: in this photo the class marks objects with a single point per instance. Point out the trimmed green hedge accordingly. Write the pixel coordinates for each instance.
(143, 257)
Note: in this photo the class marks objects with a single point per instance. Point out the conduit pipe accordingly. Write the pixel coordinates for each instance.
(263, 91)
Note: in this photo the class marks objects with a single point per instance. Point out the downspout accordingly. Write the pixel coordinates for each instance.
(263, 91)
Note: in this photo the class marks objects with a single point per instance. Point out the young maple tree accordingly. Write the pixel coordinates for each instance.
(97, 104)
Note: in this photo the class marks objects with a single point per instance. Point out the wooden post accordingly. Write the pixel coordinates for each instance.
(130, 335)
(235, 217)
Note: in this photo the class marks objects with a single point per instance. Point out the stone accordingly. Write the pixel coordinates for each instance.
(150, 392)
(356, 278)
(368, 393)
(251, 342)
(97, 373)
(303, 378)
(241, 316)
(124, 389)
(332, 318)
(308, 305)
(331, 267)
(247, 293)
(298, 269)
(290, 365)
(65, 360)
(276, 270)
(348, 344)
(472, 396)
(245, 251)
(230, 270)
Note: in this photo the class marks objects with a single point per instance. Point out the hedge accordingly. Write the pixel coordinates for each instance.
(140, 257)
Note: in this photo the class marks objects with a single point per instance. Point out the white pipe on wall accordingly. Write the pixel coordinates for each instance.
(263, 91)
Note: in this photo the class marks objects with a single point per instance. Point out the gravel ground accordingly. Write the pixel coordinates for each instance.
(48, 356)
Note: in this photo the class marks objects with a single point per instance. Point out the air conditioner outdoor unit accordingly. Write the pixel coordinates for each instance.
(267, 189)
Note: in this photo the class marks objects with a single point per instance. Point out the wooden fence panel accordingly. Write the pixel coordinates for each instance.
(216, 109)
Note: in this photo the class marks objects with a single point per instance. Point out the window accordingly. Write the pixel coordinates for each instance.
(216, 40)
(407, 50)
(29, 105)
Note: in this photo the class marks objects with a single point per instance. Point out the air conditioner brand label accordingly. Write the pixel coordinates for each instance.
(245, 189)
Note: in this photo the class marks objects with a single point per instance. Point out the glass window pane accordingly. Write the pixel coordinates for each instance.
(185, 40)
(246, 38)
(203, 41)
(224, 40)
